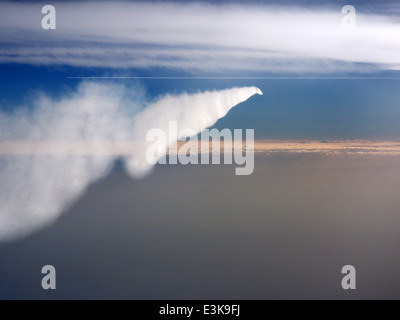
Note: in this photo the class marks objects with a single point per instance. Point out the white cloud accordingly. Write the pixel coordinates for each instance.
(35, 188)
(199, 37)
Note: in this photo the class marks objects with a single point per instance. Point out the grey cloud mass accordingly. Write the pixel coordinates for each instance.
(200, 37)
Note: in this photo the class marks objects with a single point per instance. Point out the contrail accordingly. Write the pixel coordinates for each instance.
(196, 111)
(51, 152)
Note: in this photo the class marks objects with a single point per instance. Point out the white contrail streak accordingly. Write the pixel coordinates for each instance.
(50, 154)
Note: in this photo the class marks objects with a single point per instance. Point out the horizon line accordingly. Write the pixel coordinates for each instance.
(126, 148)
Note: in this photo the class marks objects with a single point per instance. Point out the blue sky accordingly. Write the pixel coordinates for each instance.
(348, 93)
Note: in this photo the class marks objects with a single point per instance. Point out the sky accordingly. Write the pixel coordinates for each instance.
(111, 71)
(321, 81)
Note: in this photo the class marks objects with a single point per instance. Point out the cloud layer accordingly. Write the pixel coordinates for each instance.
(35, 187)
(200, 37)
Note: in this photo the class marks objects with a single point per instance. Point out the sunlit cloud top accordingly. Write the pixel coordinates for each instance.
(201, 37)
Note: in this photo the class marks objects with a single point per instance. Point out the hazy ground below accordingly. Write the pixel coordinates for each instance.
(200, 232)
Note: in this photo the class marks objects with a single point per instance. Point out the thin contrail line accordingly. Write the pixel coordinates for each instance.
(238, 78)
